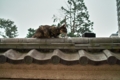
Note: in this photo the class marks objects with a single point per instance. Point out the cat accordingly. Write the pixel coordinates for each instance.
(46, 31)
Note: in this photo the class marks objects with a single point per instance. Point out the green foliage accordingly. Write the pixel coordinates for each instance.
(31, 32)
(8, 28)
(77, 18)
(71, 34)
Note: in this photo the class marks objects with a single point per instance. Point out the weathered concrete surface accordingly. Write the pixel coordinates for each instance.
(60, 43)
(59, 71)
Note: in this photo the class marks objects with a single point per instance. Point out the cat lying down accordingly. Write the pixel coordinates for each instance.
(46, 31)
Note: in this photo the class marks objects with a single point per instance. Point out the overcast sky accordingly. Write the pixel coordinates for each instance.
(32, 13)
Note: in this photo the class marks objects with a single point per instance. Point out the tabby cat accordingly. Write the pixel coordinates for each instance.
(46, 31)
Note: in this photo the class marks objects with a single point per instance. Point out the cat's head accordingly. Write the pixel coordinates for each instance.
(63, 29)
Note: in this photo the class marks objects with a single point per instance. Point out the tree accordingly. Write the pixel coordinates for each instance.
(77, 18)
(8, 28)
(31, 32)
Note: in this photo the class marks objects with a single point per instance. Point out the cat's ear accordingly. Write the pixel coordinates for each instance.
(63, 26)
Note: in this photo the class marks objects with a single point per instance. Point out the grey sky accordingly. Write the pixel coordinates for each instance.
(32, 13)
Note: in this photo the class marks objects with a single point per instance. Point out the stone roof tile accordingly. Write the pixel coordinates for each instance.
(81, 57)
